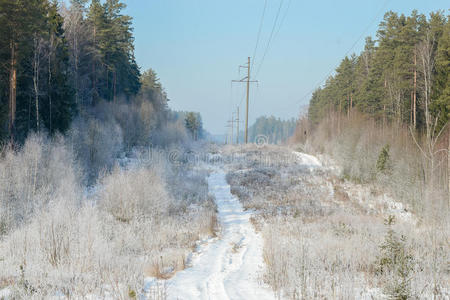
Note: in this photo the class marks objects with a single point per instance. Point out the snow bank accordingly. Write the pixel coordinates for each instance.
(309, 160)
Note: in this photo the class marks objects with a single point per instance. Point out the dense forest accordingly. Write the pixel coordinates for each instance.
(274, 129)
(61, 63)
(90, 155)
(403, 76)
(384, 114)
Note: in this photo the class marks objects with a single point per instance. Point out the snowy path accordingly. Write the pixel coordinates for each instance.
(228, 268)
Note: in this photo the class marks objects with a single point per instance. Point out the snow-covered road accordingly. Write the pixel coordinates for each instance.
(228, 268)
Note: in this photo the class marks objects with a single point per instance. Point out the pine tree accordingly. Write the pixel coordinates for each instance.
(441, 90)
(388, 80)
(60, 106)
(19, 21)
(114, 69)
(28, 21)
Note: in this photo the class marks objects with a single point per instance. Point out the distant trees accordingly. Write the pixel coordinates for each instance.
(194, 125)
(401, 77)
(275, 129)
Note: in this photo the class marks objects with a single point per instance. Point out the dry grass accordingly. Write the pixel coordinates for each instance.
(139, 220)
(355, 145)
(322, 234)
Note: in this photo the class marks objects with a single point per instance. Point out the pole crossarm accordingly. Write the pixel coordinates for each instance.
(245, 80)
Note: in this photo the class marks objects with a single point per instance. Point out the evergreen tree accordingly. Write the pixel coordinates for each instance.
(441, 90)
(114, 69)
(193, 123)
(389, 80)
(60, 107)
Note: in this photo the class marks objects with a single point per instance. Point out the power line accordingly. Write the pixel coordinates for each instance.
(282, 20)
(259, 32)
(347, 53)
(270, 37)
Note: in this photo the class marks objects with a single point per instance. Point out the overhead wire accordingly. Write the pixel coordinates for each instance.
(346, 54)
(270, 37)
(282, 19)
(259, 33)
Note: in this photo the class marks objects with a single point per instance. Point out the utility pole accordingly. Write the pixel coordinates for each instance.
(231, 125)
(248, 81)
(246, 106)
(237, 126)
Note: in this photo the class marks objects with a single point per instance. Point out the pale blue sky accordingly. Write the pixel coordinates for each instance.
(196, 46)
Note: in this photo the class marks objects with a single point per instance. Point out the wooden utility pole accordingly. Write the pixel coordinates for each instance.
(248, 81)
(237, 126)
(246, 105)
(232, 123)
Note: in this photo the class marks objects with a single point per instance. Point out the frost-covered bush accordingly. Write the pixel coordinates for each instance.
(355, 145)
(322, 234)
(96, 144)
(40, 172)
(66, 251)
(319, 259)
(136, 122)
(134, 194)
(173, 133)
(61, 238)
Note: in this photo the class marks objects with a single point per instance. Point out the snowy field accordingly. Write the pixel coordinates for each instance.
(253, 223)
(325, 237)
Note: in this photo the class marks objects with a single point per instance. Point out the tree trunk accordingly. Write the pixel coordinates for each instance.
(351, 102)
(12, 90)
(348, 101)
(77, 84)
(415, 87)
(94, 76)
(50, 83)
(36, 68)
(114, 87)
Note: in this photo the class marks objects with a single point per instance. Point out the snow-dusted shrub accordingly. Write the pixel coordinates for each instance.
(60, 239)
(322, 233)
(133, 194)
(319, 259)
(153, 196)
(173, 133)
(96, 144)
(356, 143)
(66, 251)
(40, 172)
(136, 122)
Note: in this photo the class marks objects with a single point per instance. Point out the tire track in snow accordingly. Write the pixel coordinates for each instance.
(228, 268)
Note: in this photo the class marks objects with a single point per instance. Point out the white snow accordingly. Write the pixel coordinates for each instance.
(308, 160)
(5, 293)
(230, 267)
